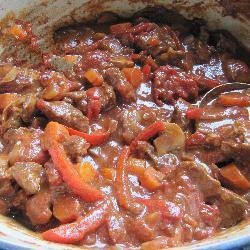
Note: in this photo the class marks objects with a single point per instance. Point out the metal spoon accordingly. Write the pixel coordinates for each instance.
(216, 91)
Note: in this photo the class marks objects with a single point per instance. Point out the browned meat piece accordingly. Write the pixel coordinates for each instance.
(135, 118)
(6, 188)
(208, 185)
(117, 79)
(56, 85)
(156, 41)
(76, 147)
(111, 44)
(19, 112)
(20, 199)
(236, 71)
(38, 208)
(25, 146)
(199, 51)
(18, 80)
(52, 174)
(28, 175)
(232, 208)
(4, 165)
(96, 59)
(3, 207)
(65, 114)
(179, 115)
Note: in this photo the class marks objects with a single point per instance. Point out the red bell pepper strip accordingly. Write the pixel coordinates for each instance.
(194, 113)
(233, 100)
(70, 175)
(94, 139)
(168, 209)
(74, 232)
(123, 193)
(147, 133)
(146, 70)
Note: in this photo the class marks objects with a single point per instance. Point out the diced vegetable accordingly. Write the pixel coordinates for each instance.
(108, 173)
(133, 75)
(71, 176)
(94, 139)
(7, 99)
(233, 175)
(120, 28)
(87, 171)
(54, 131)
(194, 113)
(18, 32)
(152, 179)
(123, 192)
(94, 77)
(196, 139)
(234, 100)
(66, 208)
(74, 232)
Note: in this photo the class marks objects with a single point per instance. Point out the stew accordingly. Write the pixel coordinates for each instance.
(102, 141)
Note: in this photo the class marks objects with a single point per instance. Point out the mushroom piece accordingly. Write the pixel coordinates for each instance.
(171, 139)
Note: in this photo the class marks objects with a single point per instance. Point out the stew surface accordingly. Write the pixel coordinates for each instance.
(102, 141)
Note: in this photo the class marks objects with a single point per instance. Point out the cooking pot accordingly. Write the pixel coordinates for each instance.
(46, 16)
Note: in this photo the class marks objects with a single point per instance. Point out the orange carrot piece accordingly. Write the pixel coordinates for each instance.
(87, 171)
(233, 175)
(233, 100)
(108, 173)
(133, 75)
(54, 131)
(66, 209)
(151, 179)
(6, 99)
(194, 113)
(70, 175)
(94, 77)
(18, 32)
(74, 232)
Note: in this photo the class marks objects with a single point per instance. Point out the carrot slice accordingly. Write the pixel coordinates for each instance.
(233, 100)
(233, 175)
(74, 232)
(87, 171)
(133, 75)
(194, 113)
(18, 32)
(70, 175)
(6, 99)
(148, 132)
(123, 193)
(94, 139)
(94, 77)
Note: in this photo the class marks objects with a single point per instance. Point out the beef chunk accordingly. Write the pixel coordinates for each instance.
(18, 80)
(65, 114)
(236, 71)
(52, 174)
(3, 207)
(117, 79)
(111, 44)
(4, 165)
(232, 208)
(38, 208)
(25, 146)
(76, 147)
(18, 112)
(28, 175)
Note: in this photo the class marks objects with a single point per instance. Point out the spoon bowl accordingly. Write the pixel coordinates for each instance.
(216, 91)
